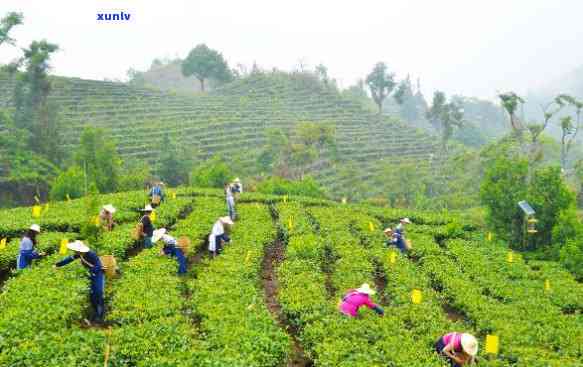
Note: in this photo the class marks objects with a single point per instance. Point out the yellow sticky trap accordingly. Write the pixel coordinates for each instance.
(173, 195)
(153, 216)
(290, 223)
(393, 257)
(492, 344)
(489, 236)
(3, 244)
(344, 200)
(248, 257)
(96, 221)
(510, 257)
(36, 210)
(547, 285)
(63, 247)
(416, 296)
(371, 226)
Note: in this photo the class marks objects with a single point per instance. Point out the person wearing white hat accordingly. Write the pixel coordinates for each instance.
(92, 263)
(218, 237)
(230, 201)
(459, 348)
(157, 192)
(356, 298)
(106, 217)
(170, 248)
(26, 251)
(399, 235)
(147, 226)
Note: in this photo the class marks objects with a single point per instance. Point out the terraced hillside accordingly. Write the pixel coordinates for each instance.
(232, 117)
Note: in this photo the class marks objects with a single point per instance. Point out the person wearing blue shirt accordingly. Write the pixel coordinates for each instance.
(399, 235)
(170, 248)
(26, 252)
(157, 191)
(92, 263)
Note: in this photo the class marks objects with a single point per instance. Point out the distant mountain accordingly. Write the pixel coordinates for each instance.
(570, 83)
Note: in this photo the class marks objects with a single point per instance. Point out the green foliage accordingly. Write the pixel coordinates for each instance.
(381, 84)
(445, 116)
(205, 63)
(133, 177)
(549, 197)
(307, 186)
(69, 183)
(571, 256)
(212, 173)
(503, 186)
(174, 163)
(97, 155)
(8, 22)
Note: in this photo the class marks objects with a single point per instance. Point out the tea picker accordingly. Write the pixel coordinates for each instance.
(218, 236)
(230, 201)
(399, 236)
(171, 248)
(237, 187)
(106, 217)
(157, 194)
(147, 228)
(26, 252)
(356, 298)
(92, 263)
(459, 348)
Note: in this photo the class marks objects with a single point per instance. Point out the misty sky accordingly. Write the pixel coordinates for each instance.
(471, 47)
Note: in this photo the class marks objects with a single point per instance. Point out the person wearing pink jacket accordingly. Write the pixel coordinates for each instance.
(356, 298)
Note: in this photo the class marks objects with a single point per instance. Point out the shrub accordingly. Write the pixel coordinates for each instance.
(571, 256)
(212, 173)
(70, 182)
(279, 186)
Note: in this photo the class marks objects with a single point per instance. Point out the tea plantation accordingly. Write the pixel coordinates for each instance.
(271, 298)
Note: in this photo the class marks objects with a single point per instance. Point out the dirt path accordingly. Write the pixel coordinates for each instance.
(274, 255)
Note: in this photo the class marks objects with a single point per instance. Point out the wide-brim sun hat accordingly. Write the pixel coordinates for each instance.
(158, 234)
(78, 246)
(237, 180)
(365, 288)
(388, 230)
(405, 220)
(469, 344)
(109, 208)
(148, 208)
(35, 227)
(226, 220)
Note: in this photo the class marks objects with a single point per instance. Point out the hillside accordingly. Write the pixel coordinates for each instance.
(270, 299)
(232, 117)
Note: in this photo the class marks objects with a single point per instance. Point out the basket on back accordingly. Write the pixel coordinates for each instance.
(156, 199)
(138, 231)
(184, 244)
(109, 265)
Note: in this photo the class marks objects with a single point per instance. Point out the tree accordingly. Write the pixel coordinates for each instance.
(408, 102)
(381, 84)
(510, 102)
(11, 20)
(97, 156)
(174, 165)
(569, 128)
(205, 63)
(445, 116)
(33, 111)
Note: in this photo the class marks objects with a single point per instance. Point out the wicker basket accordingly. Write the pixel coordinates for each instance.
(184, 244)
(138, 231)
(109, 265)
(156, 199)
